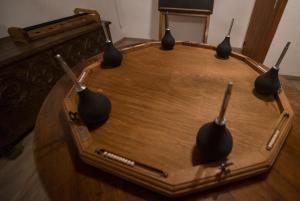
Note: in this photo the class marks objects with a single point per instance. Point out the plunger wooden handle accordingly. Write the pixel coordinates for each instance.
(67, 69)
(105, 32)
(166, 20)
(220, 119)
(230, 28)
(282, 55)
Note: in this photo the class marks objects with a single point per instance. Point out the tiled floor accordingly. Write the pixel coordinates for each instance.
(19, 180)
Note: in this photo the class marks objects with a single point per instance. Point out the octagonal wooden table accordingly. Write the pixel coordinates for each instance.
(66, 177)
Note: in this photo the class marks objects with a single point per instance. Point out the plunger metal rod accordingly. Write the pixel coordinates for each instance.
(166, 21)
(105, 32)
(67, 69)
(282, 55)
(230, 28)
(220, 119)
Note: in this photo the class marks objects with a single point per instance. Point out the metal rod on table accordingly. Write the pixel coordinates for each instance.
(230, 28)
(166, 21)
(67, 69)
(277, 130)
(105, 32)
(129, 162)
(282, 54)
(220, 119)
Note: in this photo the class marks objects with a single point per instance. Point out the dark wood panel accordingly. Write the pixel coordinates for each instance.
(79, 49)
(28, 73)
(263, 24)
(195, 5)
(23, 86)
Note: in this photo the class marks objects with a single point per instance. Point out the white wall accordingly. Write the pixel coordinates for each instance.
(29, 12)
(139, 18)
(132, 18)
(224, 11)
(288, 30)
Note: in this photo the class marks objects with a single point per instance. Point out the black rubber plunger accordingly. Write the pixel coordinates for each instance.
(112, 57)
(268, 83)
(214, 140)
(93, 108)
(168, 41)
(224, 49)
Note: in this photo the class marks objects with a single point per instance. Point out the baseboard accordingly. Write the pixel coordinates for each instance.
(126, 41)
(291, 77)
(237, 49)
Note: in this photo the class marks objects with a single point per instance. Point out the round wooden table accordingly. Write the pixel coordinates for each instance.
(66, 177)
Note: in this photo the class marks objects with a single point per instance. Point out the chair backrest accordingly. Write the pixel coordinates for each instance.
(202, 14)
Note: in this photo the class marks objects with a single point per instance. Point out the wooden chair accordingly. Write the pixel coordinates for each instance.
(185, 12)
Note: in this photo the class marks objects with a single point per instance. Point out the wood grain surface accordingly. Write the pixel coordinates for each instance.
(66, 177)
(160, 100)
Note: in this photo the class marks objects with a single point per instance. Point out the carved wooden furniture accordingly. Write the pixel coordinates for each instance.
(173, 8)
(159, 101)
(24, 36)
(27, 73)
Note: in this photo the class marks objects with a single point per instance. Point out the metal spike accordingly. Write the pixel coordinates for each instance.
(220, 119)
(230, 28)
(69, 72)
(282, 55)
(105, 32)
(166, 20)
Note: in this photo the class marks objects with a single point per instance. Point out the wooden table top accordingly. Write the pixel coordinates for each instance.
(66, 177)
